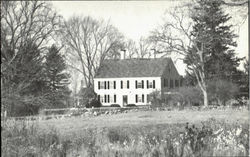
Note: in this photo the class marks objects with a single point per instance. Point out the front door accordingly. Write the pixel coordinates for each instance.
(125, 100)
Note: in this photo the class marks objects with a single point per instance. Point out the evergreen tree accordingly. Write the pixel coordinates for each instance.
(211, 25)
(57, 79)
(23, 83)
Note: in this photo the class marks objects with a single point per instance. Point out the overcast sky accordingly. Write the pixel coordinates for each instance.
(134, 18)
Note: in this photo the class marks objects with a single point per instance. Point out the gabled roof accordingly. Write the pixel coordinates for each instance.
(132, 68)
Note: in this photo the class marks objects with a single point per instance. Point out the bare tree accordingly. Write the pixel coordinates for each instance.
(90, 42)
(142, 49)
(175, 37)
(23, 23)
(130, 47)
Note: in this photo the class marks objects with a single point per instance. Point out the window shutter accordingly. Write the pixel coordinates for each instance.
(147, 98)
(108, 84)
(135, 84)
(114, 98)
(153, 83)
(142, 84)
(99, 85)
(114, 85)
(147, 84)
(128, 84)
(121, 84)
(104, 84)
(143, 98)
(136, 98)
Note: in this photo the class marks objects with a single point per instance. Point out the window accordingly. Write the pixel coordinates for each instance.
(165, 82)
(171, 83)
(105, 85)
(98, 97)
(111, 85)
(114, 85)
(153, 83)
(108, 84)
(181, 82)
(139, 98)
(112, 98)
(125, 84)
(150, 84)
(101, 99)
(139, 84)
(176, 83)
(101, 85)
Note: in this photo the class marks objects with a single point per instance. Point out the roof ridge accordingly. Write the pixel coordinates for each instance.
(133, 67)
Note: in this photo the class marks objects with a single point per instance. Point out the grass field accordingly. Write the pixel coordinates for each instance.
(132, 134)
(144, 118)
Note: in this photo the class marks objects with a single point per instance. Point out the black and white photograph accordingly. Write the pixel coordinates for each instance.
(164, 78)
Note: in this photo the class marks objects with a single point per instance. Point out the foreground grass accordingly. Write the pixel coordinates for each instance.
(163, 133)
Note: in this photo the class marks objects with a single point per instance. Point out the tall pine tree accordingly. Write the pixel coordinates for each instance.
(57, 79)
(23, 82)
(211, 24)
(213, 34)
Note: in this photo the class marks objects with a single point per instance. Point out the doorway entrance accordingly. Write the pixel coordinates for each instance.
(125, 100)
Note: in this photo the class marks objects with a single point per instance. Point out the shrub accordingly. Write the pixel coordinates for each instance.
(86, 95)
(115, 135)
(94, 103)
(131, 105)
(188, 95)
(221, 91)
(115, 105)
(155, 98)
(24, 109)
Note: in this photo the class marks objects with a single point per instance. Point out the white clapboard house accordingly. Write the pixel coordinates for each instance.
(130, 81)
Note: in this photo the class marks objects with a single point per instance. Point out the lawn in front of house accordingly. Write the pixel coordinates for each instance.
(144, 118)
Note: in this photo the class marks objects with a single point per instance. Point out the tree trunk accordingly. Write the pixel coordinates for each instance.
(205, 99)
